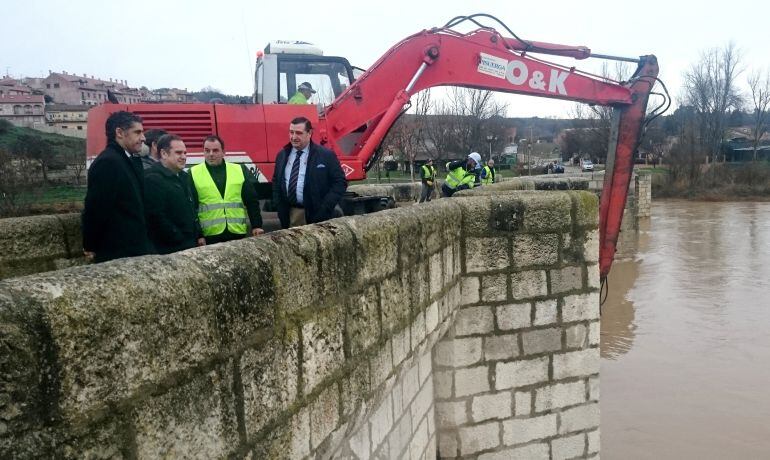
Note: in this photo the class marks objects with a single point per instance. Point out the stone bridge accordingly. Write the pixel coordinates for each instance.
(464, 328)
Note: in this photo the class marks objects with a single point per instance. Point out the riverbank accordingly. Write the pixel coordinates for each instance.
(717, 183)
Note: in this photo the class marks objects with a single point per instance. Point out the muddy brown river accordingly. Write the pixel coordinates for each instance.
(686, 336)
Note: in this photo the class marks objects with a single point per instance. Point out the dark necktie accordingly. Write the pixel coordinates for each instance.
(294, 177)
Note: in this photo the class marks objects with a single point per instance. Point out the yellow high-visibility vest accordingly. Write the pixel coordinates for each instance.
(459, 176)
(216, 212)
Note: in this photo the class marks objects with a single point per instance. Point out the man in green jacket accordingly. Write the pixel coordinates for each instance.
(171, 218)
(428, 178)
(224, 195)
(462, 174)
(304, 92)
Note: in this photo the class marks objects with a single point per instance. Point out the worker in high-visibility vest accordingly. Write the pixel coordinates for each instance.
(428, 178)
(224, 196)
(488, 173)
(303, 94)
(461, 174)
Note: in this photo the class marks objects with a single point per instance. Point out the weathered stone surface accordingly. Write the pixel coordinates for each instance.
(586, 209)
(559, 395)
(269, 380)
(579, 418)
(523, 402)
(541, 340)
(566, 279)
(519, 431)
(474, 320)
(472, 380)
(530, 452)
(576, 336)
(528, 284)
(363, 323)
(514, 316)
(569, 447)
(324, 415)
(322, 352)
(494, 288)
(491, 406)
(521, 373)
(375, 243)
(458, 352)
(535, 250)
(196, 420)
(471, 289)
(580, 307)
(545, 312)
(486, 254)
(30, 244)
(576, 363)
(501, 347)
(479, 437)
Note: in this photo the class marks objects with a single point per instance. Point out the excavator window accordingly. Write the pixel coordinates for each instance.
(328, 76)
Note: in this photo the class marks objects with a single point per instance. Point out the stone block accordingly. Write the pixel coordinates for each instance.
(475, 214)
(449, 265)
(290, 440)
(521, 373)
(359, 442)
(362, 322)
(501, 347)
(523, 403)
(381, 365)
(547, 212)
(395, 304)
(324, 415)
(579, 418)
(196, 419)
(569, 447)
(594, 282)
(494, 288)
(535, 250)
(442, 384)
(594, 389)
(356, 388)
(269, 380)
(566, 279)
(410, 384)
(519, 431)
(492, 406)
(422, 403)
(528, 284)
(401, 346)
(586, 209)
(486, 254)
(447, 444)
(594, 333)
(425, 366)
(514, 316)
(541, 340)
(594, 442)
(401, 435)
(451, 414)
(507, 213)
(580, 307)
(480, 437)
(471, 290)
(474, 320)
(591, 246)
(546, 312)
(559, 395)
(322, 352)
(419, 441)
(576, 336)
(376, 238)
(36, 239)
(436, 274)
(576, 364)
(471, 381)
(381, 421)
(418, 332)
(431, 317)
(531, 452)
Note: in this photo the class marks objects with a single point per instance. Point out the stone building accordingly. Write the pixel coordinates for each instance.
(22, 110)
(70, 89)
(12, 87)
(67, 117)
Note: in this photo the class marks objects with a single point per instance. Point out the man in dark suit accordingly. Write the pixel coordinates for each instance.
(171, 217)
(114, 223)
(308, 181)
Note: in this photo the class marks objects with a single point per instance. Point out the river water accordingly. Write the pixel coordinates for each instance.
(686, 336)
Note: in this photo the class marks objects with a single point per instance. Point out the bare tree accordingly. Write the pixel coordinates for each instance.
(759, 86)
(710, 88)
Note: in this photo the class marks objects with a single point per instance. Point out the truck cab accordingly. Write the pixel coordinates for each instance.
(284, 65)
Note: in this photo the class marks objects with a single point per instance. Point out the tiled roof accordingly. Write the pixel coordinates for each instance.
(33, 99)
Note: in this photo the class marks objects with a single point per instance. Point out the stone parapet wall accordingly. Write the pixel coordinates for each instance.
(39, 243)
(346, 339)
(643, 194)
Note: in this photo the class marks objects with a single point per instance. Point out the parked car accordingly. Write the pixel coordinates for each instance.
(586, 165)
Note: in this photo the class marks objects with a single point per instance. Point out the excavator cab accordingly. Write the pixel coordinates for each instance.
(285, 65)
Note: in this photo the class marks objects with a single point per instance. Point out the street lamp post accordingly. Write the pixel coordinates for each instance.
(490, 138)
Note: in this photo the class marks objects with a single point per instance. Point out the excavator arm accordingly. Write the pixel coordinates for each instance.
(484, 59)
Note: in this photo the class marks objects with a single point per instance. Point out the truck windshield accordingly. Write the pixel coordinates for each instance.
(328, 79)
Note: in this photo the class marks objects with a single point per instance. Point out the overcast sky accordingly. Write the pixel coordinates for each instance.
(194, 43)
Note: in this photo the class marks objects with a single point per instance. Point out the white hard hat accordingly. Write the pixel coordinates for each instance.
(476, 157)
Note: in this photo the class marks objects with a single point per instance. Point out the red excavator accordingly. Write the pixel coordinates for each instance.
(352, 109)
